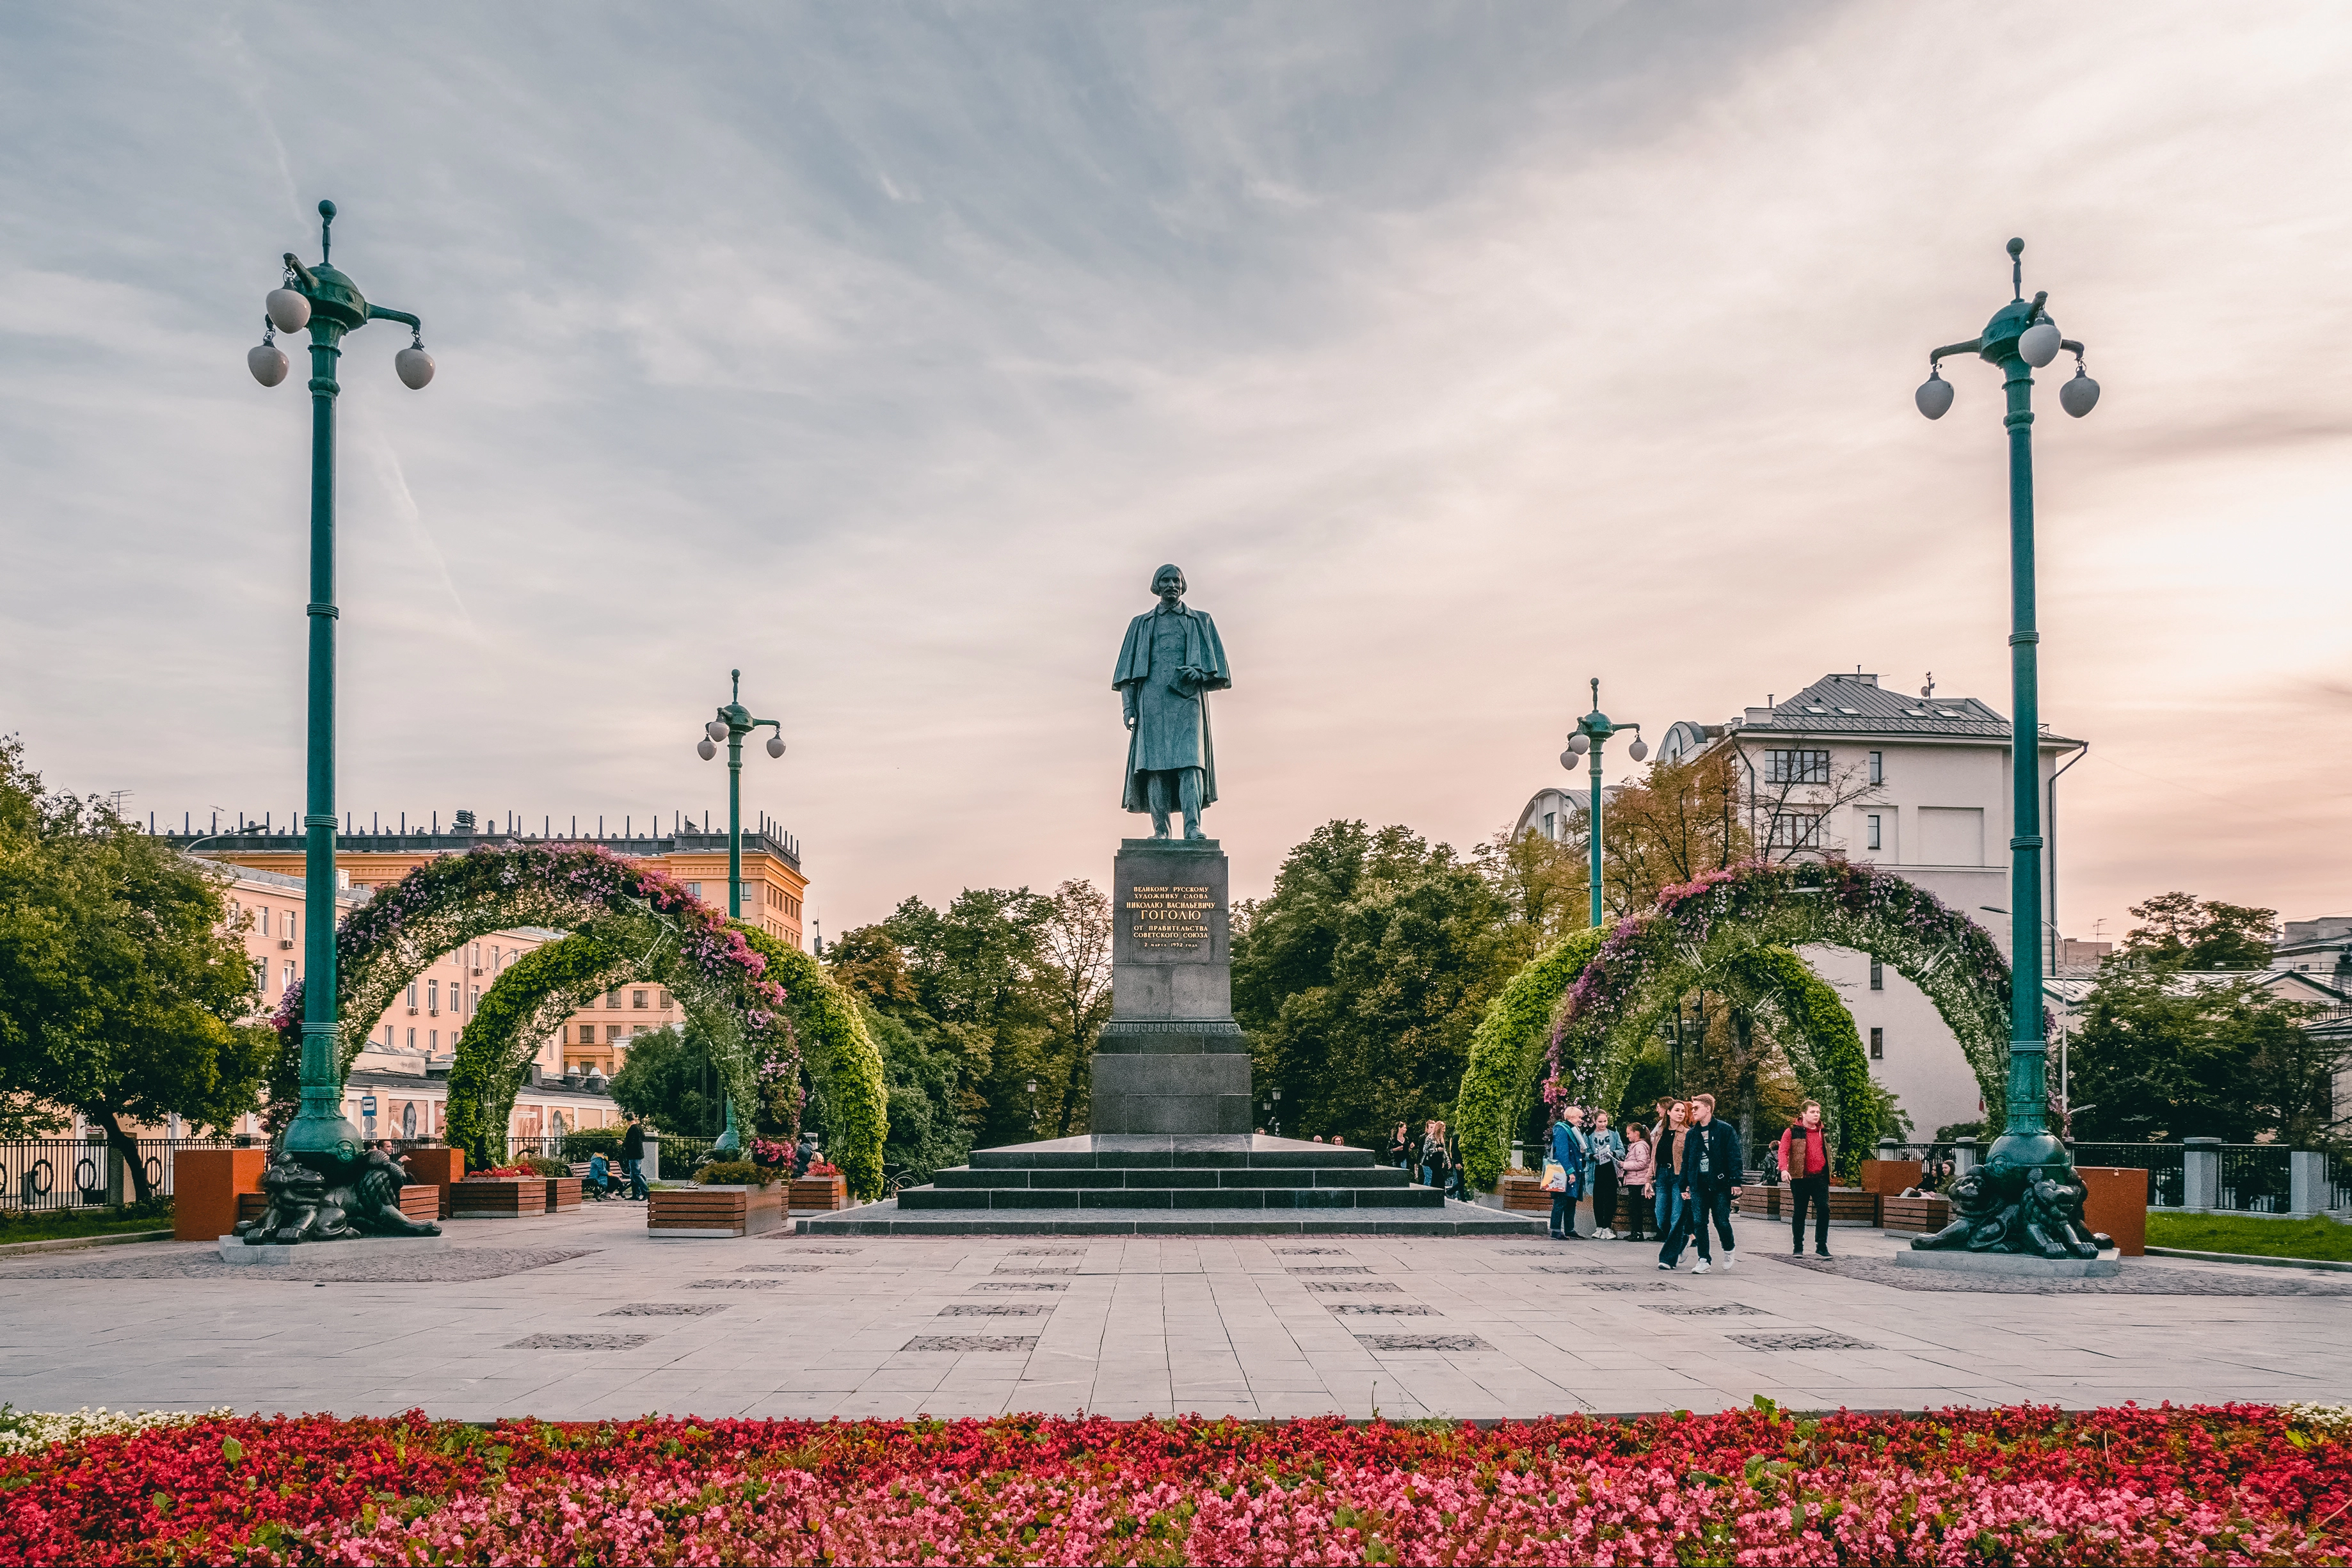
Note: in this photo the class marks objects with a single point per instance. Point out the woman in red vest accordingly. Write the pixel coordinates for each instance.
(1805, 1156)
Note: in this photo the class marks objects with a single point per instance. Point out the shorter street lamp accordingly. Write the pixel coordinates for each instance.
(1274, 1121)
(1591, 733)
(1032, 1108)
(734, 723)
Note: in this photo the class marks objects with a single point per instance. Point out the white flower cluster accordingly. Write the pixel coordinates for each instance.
(2326, 1417)
(29, 1431)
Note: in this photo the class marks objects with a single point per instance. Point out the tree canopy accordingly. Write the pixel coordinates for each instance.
(124, 990)
(2181, 930)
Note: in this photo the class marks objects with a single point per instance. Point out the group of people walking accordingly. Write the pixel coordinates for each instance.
(1434, 1158)
(1682, 1172)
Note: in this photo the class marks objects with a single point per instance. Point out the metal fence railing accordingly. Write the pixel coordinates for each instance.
(2339, 1177)
(2168, 1187)
(38, 1174)
(2255, 1178)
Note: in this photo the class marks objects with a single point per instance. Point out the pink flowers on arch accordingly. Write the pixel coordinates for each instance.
(2212, 1484)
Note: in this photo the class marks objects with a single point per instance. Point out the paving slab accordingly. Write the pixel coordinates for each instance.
(518, 1318)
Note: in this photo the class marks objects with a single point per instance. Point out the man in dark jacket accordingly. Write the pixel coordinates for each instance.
(1713, 1171)
(633, 1159)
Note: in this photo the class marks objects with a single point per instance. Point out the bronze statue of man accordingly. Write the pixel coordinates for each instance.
(1170, 663)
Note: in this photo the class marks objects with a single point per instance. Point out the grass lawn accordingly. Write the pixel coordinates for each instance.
(51, 1224)
(2320, 1238)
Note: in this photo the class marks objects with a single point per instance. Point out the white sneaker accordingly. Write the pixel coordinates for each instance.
(1604, 1236)
(1668, 1266)
(1728, 1259)
(1700, 1266)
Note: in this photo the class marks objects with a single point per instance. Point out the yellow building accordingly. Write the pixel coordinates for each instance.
(419, 1032)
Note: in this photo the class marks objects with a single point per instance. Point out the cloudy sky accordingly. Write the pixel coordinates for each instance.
(1456, 352)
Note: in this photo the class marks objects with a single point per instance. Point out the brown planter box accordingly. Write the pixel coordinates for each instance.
(820, 1192)
(1853, 1205)
(2117, 1204)
(1888, 1177)
(420, 1203)
(562, 1193)
(715, 1211)
(207, 1184)
(1525, 1195)
(1918, 1215)
(478, 1199)
(1764, 1201)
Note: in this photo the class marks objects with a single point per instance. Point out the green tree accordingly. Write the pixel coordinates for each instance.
(670, 1079)
(1361, 976)
(2161, 1054)
(926, 1133)
(124, 990)
(2181, 930)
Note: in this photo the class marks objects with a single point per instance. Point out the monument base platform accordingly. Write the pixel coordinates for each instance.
(233, 1249)
(1171, 1185)
(2012, 1264)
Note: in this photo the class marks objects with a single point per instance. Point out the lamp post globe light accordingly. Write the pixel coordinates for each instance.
(2027, 1180)
(1592, 733)
(734, 723)
(322, 1162)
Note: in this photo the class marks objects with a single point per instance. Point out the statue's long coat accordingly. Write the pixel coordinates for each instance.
(1203, 652)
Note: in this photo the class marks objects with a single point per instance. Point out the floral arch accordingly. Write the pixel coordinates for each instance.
(1734, 929)
(626, 919)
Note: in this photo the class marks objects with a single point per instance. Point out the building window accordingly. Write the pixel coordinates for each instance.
(412, 992)
(293, 922)
(612, 998)
(1797, 829)
(1870, 826)
(433, 1038)
(638, 999)
(261, 915)
(1878, 975)
(387, 1036)
(1878, 1045)
(473, 1001)
(694, 890)
(665, 1002)
(286, 976)
(433, 998)
(612, 1033)
(636, 1030)
(1794, 767)
(412, 1039)
(1878, 767)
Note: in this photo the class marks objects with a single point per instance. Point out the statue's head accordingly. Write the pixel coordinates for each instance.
(1169, 583)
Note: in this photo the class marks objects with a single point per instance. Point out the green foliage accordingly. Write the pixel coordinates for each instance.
(1361, 977)
(845, 1069)
(55, 1224)
(926, 1133)
(734, 1173)
(590, 1140)
(2179, 931)
(2321, 1238)
(2163, 1056)
(1009, 988)
(1506, 1054)
(1840, 1071)
(1652, 1080)
(670, 1080)
(123, 984)
(539, 1164)
(530, 997)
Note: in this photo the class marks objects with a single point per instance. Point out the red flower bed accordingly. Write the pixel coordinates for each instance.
(2215, 1484)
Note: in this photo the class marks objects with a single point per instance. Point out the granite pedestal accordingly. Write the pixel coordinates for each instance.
(1171, 1152)
(2012, 1264)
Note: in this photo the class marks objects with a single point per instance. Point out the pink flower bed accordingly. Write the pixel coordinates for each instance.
(2214, 1484)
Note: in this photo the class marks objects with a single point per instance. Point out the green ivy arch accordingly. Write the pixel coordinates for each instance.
(1737, 929)
(525, 1004)
(645, 922)
(842, 1061)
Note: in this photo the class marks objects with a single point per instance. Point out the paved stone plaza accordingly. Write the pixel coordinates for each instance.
(583, 1316)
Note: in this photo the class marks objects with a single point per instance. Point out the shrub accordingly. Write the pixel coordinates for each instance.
(588, 1141)
(540, 1166)
(733, 1173)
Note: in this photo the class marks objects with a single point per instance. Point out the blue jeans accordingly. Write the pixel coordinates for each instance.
(1672, 1215)
(635, 1170)
(1563, 1214)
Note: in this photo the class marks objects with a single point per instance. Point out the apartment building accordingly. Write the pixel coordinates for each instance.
(417, 1036)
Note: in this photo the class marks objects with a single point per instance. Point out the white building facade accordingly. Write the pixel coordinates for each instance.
(1918, 786)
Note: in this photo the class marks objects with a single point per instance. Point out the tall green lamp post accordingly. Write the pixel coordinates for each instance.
(733, 724)
(1592, 733)
(2020, 339)
(328, 302)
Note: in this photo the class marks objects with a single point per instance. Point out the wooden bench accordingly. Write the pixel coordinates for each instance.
(502, 1198)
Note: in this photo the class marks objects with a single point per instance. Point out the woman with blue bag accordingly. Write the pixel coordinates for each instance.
(1564, 1171)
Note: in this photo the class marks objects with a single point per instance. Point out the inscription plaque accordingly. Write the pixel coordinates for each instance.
(1170, 917)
